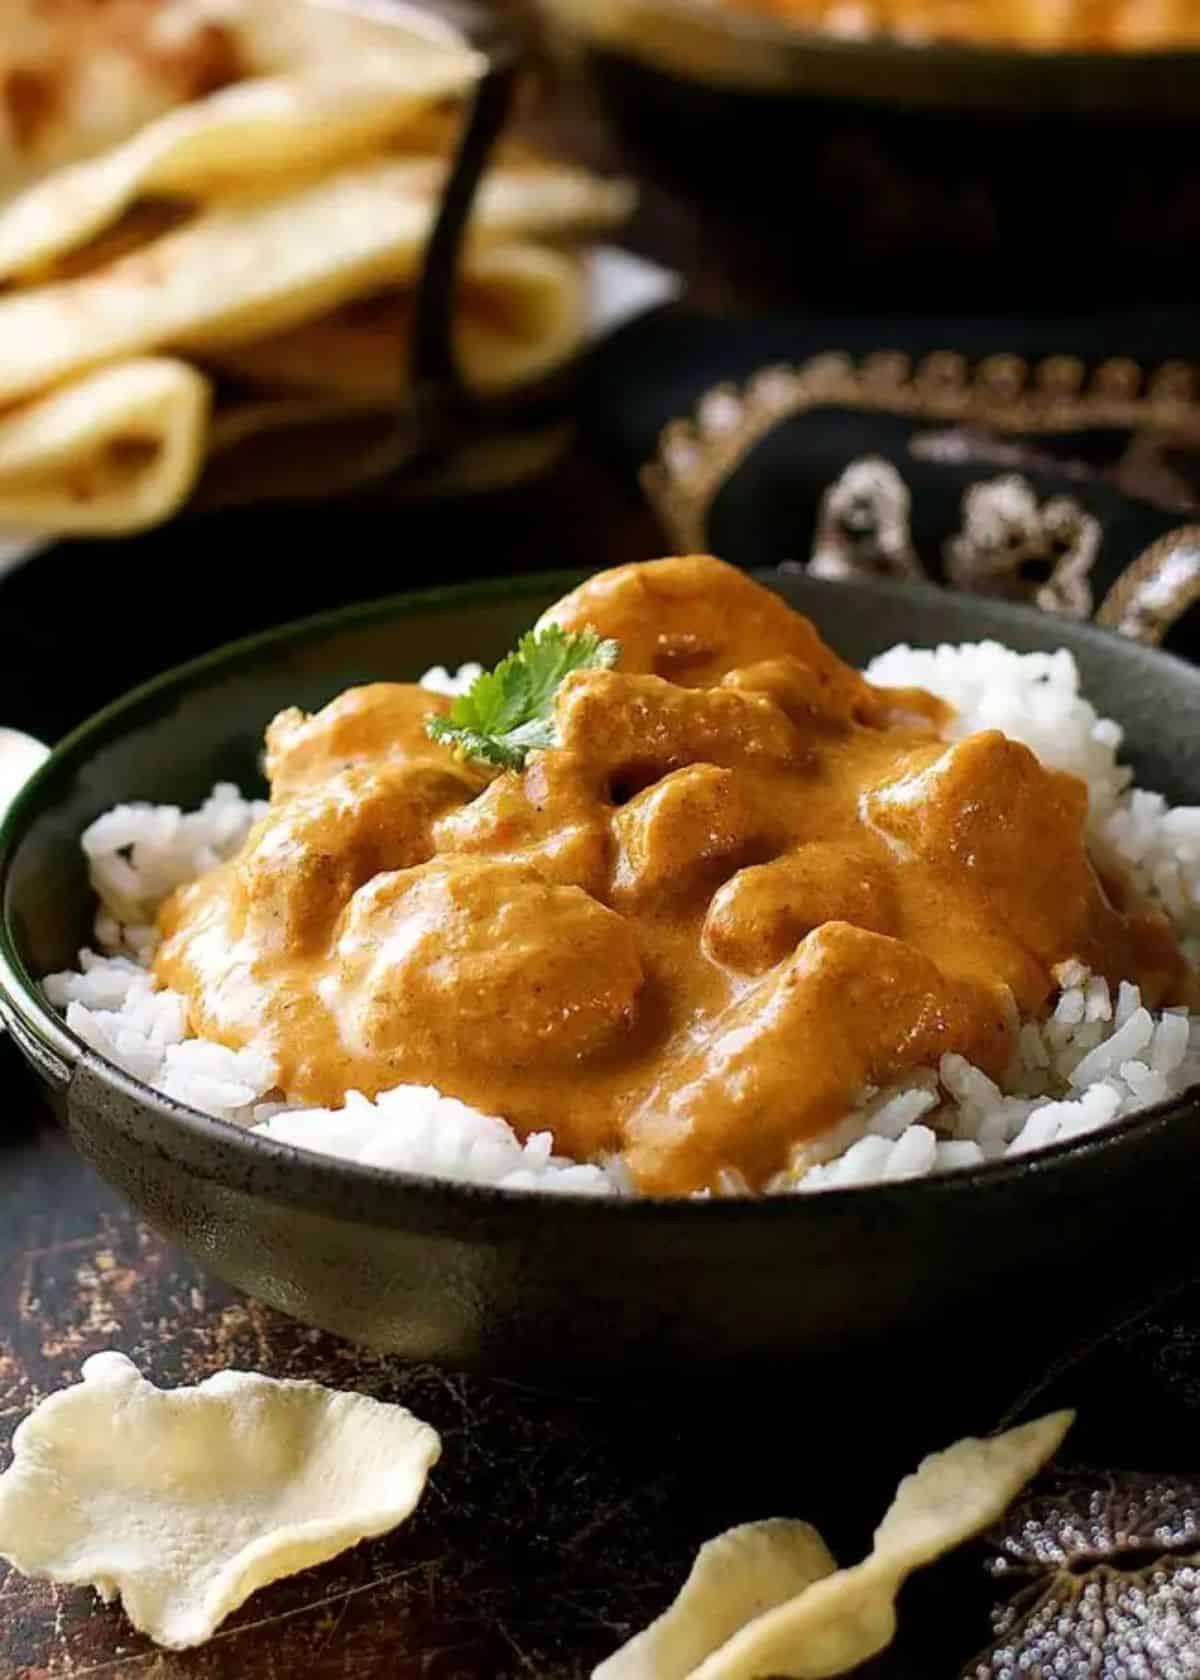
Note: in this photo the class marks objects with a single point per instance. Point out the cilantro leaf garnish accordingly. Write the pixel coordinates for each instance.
(507, 713)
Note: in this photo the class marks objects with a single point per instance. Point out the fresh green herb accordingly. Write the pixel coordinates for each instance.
(507, 713)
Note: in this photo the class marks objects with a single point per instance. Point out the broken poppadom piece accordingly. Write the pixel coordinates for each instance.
(736, 1577)
(839, 1620)
(186, 1501)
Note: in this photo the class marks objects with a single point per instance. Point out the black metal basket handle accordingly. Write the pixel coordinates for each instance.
(442, 406)
(438, 408)
(433, 364)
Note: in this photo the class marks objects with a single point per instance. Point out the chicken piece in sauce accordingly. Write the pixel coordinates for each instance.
(741, 886)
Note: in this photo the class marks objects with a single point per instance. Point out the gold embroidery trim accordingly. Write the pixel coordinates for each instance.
(696, 457)
(1157, 589)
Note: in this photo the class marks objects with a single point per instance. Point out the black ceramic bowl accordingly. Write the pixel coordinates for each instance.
(728, 47)
(943, 178)
(957, 1270)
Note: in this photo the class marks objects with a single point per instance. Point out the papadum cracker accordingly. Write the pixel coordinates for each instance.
(186, 1501)
(842, 1619)
(956, 1494)
(735, 1578)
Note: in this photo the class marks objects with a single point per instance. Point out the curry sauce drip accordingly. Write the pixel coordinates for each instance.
(743, 885)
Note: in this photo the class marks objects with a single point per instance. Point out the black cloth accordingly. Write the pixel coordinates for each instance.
(657, 367)
(1141, 481)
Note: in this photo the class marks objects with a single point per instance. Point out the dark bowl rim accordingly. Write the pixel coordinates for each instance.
(758, 54)
(940, 51)
(316, 1179)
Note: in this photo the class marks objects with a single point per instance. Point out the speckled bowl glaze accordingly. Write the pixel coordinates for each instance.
(961, 1272)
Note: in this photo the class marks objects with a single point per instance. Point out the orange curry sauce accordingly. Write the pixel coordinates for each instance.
(744, 885)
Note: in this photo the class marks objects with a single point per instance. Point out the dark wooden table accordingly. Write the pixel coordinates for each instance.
(552, 1528)
(543, 1536)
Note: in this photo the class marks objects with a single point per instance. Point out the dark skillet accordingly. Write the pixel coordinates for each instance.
(954, 1272)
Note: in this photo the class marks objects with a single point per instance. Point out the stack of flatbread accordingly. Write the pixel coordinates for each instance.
(237, 248)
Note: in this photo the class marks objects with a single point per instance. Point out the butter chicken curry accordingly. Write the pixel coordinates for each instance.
(740, 886)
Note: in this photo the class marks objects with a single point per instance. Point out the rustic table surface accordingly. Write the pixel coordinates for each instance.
(552, 1529)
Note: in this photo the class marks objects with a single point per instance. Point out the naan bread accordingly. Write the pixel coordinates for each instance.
(252, 268)
(253, 131)
(258, 227)
(521, 310)
(79, 75)
(115, 451)
(276, 35)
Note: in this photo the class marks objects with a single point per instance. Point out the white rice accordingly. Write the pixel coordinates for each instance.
(1093, 1060)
